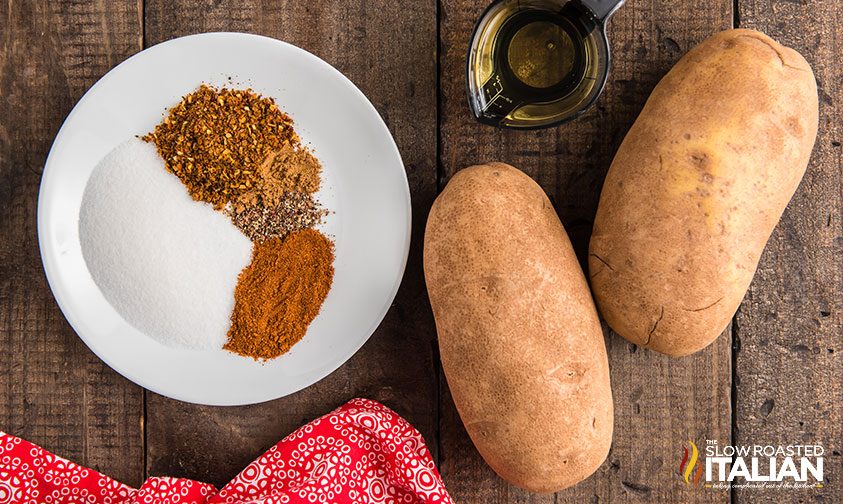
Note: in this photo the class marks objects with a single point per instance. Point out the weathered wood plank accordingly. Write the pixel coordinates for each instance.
(789, 364)
(53, 390)
(388, 50)
(659, 402)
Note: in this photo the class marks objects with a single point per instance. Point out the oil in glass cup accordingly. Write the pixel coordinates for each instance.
(538, 63)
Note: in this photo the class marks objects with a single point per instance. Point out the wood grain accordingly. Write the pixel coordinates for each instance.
(788, 364)
(788, 329)
(53, 390)
(660, 402)
(389, 51)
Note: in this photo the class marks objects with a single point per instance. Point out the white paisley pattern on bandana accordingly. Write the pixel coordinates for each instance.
(362, 452)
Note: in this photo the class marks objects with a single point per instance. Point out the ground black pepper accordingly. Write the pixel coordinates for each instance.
(295, 211)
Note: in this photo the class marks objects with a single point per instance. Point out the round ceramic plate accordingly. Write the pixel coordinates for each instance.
(364, 184)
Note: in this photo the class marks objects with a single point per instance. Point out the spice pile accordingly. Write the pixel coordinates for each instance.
(215, 141)
(239, 152)
(298, 270)
(169, 266)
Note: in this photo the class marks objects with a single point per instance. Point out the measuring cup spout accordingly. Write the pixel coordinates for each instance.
(602, 9)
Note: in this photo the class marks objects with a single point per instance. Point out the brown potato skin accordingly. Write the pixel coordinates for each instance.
(519, 336)
(697, 187)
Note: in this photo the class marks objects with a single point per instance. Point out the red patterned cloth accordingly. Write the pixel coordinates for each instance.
(361, 452)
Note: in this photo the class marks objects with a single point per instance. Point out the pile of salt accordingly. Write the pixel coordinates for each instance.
(166, 263)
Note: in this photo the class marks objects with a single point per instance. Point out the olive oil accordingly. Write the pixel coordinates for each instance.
(535, 63)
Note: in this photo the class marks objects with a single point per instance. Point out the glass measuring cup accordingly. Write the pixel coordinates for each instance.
(538, 63)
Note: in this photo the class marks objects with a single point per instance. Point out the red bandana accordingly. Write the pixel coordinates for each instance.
(361, 452)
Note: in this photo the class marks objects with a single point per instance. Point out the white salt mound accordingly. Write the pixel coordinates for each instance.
(166, 263)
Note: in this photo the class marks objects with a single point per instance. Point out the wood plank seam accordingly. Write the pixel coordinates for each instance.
(437, 364)
(735, 347)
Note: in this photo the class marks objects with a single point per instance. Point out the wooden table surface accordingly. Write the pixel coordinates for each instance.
(774, 376)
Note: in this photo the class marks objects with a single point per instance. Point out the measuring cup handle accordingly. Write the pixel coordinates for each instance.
(602, 9)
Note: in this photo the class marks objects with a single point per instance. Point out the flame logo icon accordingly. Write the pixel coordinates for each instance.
(688, 464)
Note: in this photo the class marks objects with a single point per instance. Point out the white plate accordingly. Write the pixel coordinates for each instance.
(365, 185)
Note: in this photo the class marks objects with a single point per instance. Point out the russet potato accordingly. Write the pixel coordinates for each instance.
(519, 337)
(697, 187)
